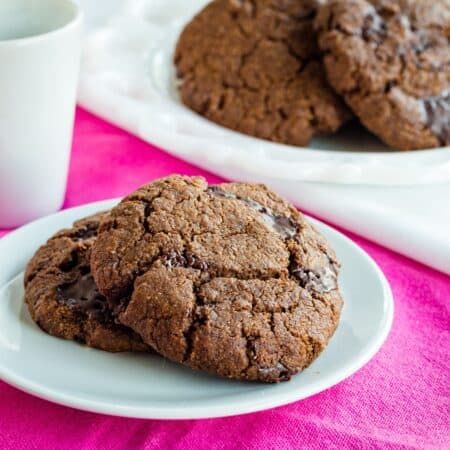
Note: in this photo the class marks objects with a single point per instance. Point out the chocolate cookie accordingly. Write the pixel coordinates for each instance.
(62, 296)
(390, 60)
(254, 67)
(230, 279)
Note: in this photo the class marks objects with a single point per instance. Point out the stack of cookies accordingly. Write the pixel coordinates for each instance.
(286, 70)
(229, 279)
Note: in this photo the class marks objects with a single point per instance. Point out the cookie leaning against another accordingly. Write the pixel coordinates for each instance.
(255, 67)
(390, 60)
(62, 297)
(230, 279)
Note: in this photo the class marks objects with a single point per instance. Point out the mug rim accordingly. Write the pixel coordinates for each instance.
(75, 21)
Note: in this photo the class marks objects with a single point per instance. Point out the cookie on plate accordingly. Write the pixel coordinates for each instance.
(228, 278)
(255, 67)
(62, 296)
(390, 60)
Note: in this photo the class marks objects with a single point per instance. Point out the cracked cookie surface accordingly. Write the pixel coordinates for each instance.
(62, 296)
(390, 60)
(229, 278)
(254, 66)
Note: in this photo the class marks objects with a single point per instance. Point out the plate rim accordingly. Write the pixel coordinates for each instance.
(170, 412)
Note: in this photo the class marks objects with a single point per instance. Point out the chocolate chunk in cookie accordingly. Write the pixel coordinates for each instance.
(254, 67)
(230, 279)
(390, 60)
(63, 298)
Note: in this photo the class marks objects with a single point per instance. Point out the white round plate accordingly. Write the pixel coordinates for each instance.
(139, 385)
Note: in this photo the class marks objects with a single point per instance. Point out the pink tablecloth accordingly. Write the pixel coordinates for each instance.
(401, 399)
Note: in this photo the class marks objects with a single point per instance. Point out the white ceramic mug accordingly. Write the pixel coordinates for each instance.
(40, 44)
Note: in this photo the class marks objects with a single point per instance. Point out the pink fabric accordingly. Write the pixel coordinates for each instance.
(399, 400)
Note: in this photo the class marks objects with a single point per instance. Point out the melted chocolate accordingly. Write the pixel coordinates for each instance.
(85, 232)
(437, 111)
(176, 259)
(284, 373)
(374, 28)
(83, 296)
(323, 280)
(283, 225)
